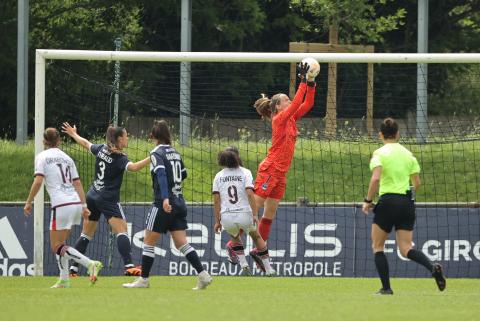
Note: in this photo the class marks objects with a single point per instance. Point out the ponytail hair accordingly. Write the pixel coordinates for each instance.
(161, 132)
(51, 137)
(389, 128)
(262, 106)
(266, 107)
(228, 159)
(113, 134)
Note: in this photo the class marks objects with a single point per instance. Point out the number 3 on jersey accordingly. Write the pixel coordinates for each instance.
(101, 172)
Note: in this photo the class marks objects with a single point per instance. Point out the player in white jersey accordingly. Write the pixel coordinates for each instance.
(68, 204)
(236, 211)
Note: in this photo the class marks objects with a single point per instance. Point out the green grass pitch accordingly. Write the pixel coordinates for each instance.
(237, 298)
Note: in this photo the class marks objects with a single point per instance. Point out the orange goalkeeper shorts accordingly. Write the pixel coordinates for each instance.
(270, 184)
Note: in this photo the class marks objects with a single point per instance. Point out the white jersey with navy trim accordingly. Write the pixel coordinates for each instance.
(231, 184)
(59, 171)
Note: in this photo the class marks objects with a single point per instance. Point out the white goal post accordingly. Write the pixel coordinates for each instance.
(43, 54)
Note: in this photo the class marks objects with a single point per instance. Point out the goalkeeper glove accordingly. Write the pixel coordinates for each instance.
(302, 71)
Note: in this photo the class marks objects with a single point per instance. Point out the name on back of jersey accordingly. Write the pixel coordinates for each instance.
(172, 155)
(57, 160)
(231, 178)
(105, 157)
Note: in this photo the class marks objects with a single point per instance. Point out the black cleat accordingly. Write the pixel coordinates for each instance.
(232, 256)
(383, 291)
(257, 259)
(439, 277)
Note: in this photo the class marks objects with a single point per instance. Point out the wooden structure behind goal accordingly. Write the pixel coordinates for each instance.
(334, 47)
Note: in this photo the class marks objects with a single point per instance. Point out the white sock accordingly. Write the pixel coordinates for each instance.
(71, 253)
(266, 264)
(62, 267)
(243, 260)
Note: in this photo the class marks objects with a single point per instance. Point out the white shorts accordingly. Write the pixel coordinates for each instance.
(233, 222)
(63, 217)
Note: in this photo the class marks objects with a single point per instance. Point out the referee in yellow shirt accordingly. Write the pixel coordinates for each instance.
(393, 168)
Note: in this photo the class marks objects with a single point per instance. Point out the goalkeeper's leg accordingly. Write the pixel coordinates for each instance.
(269, 213)
(261, 257)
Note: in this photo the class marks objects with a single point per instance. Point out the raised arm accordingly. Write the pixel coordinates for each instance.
(307, 104)
(288, 112)
(72, 132)
(135, 167)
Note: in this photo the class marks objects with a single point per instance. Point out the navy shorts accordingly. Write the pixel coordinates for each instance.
(161, 222)
(97, 206)
(394, 210)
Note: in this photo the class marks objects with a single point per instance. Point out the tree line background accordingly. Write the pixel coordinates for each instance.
(234, 25)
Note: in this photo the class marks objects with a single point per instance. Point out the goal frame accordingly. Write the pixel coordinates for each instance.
(41, 55)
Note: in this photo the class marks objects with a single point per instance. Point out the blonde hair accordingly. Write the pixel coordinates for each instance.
(51, 137)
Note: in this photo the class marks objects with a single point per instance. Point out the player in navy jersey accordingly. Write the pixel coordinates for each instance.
(103, 196)
(169, 210)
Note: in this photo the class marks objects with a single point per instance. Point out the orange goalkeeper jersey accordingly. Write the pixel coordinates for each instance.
(284, 130)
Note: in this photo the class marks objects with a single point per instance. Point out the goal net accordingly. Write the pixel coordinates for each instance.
(207, 100)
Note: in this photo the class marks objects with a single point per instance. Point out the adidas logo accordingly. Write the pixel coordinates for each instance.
(13, 250)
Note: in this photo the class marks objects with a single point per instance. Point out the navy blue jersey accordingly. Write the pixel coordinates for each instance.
(165, 156)
(109, 168)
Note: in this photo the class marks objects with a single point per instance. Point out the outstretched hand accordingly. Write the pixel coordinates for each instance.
(69, 130)
(303, 68)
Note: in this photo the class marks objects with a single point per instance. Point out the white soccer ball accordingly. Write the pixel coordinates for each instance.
(314, 69)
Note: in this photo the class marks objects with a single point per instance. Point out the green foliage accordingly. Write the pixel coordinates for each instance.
(322, 171)
(358, 20)
(458, 94)
(219, 25)
(91, 24)
(282, 299)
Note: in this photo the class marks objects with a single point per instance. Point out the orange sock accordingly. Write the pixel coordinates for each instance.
(264, 228)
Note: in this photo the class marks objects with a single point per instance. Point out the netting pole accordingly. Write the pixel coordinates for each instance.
(22, 72)
(116, 83)
(185, 72)
(422, 73)
(38, 203)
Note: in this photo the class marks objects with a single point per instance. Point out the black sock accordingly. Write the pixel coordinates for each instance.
(382, 268)
(192, 257)
(420, 258)
(81, 246)
(148, 256)
(263, 253)
(125, 248)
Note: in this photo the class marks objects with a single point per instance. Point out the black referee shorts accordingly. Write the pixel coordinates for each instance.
(394, 210)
